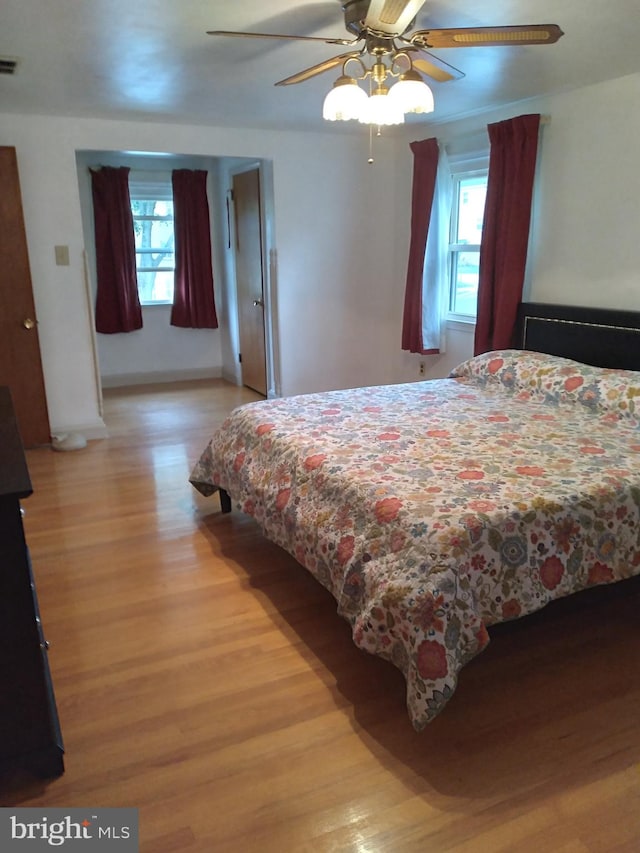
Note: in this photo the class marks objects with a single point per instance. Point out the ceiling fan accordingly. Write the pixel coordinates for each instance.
(383, 27)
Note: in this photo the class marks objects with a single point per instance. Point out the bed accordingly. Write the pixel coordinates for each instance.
(434, 510)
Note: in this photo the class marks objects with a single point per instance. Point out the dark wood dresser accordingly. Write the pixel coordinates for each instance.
(30, 735)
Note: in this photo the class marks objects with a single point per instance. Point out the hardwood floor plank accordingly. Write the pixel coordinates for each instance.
(204, 677)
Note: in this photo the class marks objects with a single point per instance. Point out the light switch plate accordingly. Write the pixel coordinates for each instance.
(62, 256)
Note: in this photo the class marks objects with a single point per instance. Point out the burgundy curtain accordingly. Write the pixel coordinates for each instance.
(425, 168)
(505, 232)
(193, 299)
(117, 303)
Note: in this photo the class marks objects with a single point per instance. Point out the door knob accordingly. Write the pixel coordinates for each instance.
(29, 323)
(258, 302)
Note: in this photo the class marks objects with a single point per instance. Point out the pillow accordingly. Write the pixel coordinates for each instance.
(556, 380)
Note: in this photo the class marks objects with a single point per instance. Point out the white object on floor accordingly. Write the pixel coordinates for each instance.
(68, 441)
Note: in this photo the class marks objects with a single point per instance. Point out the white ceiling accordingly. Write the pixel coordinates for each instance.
(152, 59)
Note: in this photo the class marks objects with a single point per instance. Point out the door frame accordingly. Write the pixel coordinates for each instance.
(269, 266)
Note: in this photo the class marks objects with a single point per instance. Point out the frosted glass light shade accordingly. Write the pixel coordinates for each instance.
(345, 101)
(381, 110)
(411, 94)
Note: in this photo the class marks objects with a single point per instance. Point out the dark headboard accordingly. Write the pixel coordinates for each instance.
(598, 336)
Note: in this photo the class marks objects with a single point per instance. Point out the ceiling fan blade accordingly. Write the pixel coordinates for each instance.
(301, 76)
(487, 36)
(236, 34)
(392, 17)
(433, 67)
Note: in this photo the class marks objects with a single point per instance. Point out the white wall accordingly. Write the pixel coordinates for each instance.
(338, 284)
(341, 233)
(588, 223)
(159, 352)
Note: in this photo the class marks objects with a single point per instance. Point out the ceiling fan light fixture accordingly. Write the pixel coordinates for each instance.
(381, 110)
(411, 94)
(345, 101)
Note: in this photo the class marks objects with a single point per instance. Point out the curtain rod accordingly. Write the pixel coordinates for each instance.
(456, 137)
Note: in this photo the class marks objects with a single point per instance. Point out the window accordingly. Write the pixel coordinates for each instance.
(152, 209)
(467, 213)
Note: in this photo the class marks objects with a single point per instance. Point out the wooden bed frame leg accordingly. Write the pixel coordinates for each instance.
(225, 500)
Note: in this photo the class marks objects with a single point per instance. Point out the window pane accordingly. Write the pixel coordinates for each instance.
(151, 207)
(154, 239)
(472, 194)
(155, 259)
(155, 286)
(465, 235)
(156, 233)
(464, 290)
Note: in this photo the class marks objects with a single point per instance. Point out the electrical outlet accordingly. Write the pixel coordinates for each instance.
(421, 368)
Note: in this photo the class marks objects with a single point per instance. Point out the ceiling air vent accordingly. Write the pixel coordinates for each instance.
(8, 65)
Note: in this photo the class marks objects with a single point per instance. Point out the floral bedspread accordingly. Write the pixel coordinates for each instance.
(432, 510)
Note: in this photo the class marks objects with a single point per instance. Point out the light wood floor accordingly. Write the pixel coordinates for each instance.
(202, 676)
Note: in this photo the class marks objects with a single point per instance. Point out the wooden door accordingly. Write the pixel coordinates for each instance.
(249, 279)
(20, 364)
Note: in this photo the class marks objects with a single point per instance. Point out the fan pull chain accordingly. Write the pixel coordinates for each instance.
(378, 133)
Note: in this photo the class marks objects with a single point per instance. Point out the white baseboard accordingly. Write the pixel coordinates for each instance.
(231, 376)
(89, 431)
(122, 380)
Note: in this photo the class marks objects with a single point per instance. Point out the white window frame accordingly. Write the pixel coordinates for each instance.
(461, 168)
(151, 186)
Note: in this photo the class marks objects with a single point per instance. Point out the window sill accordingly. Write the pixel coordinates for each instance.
(461, 324)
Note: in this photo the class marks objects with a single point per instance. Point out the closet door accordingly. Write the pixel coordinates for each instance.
(20, 364)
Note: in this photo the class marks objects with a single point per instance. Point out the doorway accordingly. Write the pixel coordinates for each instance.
(159, 353)
(250, 290)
